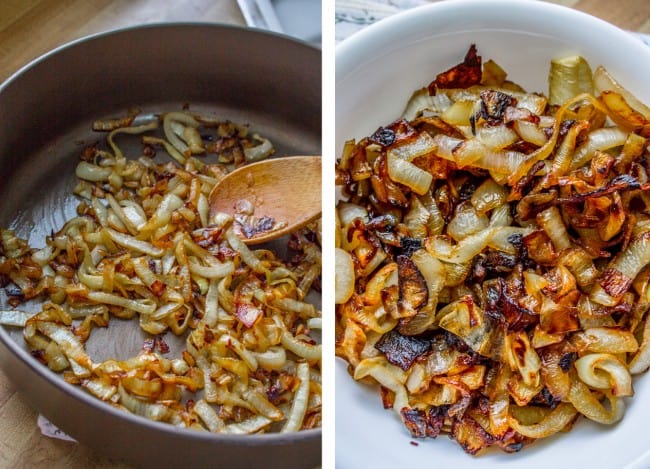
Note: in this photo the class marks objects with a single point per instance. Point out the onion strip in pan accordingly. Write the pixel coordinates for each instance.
(493, 255)
(143, 248)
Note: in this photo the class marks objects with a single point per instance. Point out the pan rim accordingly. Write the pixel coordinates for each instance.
(155, 25)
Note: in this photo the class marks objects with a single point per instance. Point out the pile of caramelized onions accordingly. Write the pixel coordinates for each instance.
(144, 248)
(493, 255)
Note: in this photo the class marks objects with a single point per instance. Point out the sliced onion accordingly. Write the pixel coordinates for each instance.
(214, 269)
(434, 275)
(607, 340)
(383, 278)
(501, 238)
(259, 152)
(501, 216)
(530, 132)
(488, 196)
(641, 361)
(174, 124)
(478, 155)
(118, 212)
(235, 345)
(600, 139)
(248, 426)
(157, 412)
(569, 76)
(523, 357)
(209, 416)
(163, 213)
(554, 422)
(300, 348)
(466, 320)
(436, 222)
(403, 172)
(275, 358)
(68, 342)
(134, 213)
(348, 212)
(625, 266)
(500, 403)
(99, 388)
(92, 172)
(469, 151)
(603, 81)
(301, 307)
(551, 222)
(465, 250)
(144, 306)
(459, 113)
(605, 371)
(446, 145)
(545, 150)
(14, 317)
(261, 404)
(417, 218)
(421, 101)
(562, 160)
(389, 376)
(133, 243)
(343, 276)
(466, 222)
(300, 400)
(409, 149)
(496, 138)
(245, 253)
(535, 103)
(134, 130)
(585, 402)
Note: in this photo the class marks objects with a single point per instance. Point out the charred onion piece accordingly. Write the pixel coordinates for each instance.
(413, 292)
(463, 75)
(402, 350)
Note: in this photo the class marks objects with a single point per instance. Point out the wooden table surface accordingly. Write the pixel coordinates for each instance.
(28, 28)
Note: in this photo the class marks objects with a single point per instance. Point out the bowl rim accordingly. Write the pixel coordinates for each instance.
(384, 35)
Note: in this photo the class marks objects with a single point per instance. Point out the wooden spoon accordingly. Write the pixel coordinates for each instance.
(287, 190)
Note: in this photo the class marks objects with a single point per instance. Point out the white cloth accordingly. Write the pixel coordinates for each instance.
(353, 15)
(49, 429)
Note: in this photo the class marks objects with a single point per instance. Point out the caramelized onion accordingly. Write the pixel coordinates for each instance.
(143, 248)
(500, 253)
(554, 422)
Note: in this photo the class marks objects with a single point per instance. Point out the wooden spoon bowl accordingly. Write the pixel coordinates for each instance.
(287, 190)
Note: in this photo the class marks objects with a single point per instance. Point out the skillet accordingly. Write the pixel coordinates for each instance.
(46, 111)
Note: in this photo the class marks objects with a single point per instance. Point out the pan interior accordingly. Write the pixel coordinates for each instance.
(38, 199)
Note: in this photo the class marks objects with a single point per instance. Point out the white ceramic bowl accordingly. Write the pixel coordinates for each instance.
(377, 69)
